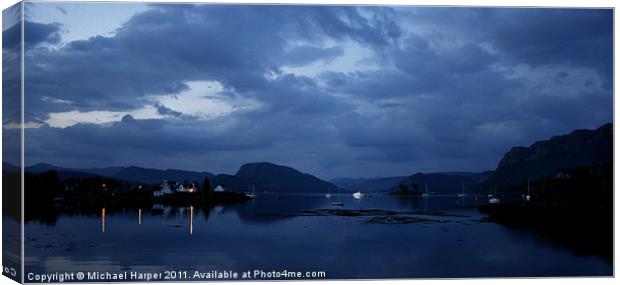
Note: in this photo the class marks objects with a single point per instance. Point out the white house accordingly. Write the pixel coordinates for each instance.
(219, 188)
(163, 190)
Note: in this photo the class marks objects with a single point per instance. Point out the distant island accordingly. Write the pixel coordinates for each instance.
(47, 185)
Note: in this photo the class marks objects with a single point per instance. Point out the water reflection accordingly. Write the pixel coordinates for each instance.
(245, 235)
(103, 220)
(158, 210)
(191, 220)
(409, 202)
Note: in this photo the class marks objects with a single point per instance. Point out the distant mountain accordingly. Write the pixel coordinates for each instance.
(43, 167)
(106, 171)
(439, 183)
(152, 176)
(543, 158)
(62, 172)
(388, 184)
(476, 176)
(368, 184)
(271, 177)
(9, 167)
(263, 176)
(130, 174)
(66, 174)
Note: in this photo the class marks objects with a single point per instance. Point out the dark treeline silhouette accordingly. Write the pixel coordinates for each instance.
(588, 187)
(573, 207)
(11, 193)
(47, 196)
(411, 189)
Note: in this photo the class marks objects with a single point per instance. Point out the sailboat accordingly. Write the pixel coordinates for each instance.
(425, 194)
(338, 203)
(328, 195)
(251, 194)
(527, 197)
(492, 199)
(462, 194)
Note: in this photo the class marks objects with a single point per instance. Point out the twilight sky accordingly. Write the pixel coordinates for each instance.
(333, 91)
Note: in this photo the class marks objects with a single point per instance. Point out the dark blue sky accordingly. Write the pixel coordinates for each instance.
(333, 91)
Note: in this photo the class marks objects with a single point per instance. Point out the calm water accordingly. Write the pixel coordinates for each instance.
(268, 234)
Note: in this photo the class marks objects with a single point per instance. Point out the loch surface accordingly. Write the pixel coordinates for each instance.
(439, 237)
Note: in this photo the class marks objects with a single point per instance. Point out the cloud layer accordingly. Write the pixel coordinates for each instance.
(335, 91)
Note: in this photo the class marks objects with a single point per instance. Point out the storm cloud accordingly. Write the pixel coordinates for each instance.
(330, 90)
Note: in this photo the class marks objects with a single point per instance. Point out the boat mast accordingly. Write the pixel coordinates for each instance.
(527, 197)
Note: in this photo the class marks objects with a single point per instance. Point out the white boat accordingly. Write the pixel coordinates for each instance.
(492, 199)
(527, 197)
(328, 195)
(251, 193)
(425, 194)
(462, 194)
(358, 195)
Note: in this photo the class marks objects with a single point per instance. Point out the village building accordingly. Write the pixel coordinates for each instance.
(219, 188)
(167, 188)
(164, 189)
